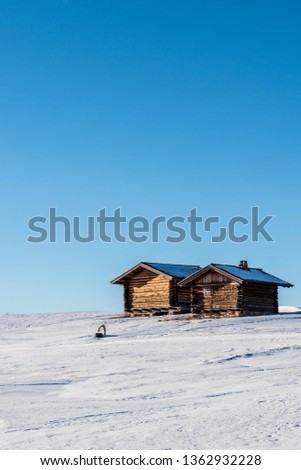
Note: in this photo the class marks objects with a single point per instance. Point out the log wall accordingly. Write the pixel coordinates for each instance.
(213, 277)
(258, 299)
(218, 297)
(147, 290)
(184, 297)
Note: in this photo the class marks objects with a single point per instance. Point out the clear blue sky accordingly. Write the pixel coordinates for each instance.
(155, 107)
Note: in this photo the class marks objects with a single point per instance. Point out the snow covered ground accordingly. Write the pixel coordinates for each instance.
(150, 384)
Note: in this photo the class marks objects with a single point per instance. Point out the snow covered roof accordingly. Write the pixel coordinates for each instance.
(175, 270)
(247, 275)
(252, 274)
(180, 271)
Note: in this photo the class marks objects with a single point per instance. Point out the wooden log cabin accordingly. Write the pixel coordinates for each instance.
(219, 290)
(152, 288)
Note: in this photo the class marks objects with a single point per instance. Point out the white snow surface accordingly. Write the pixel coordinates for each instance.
(150, 384)
(288, 309)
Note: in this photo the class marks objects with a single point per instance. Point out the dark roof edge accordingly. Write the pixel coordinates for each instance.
(171, 264)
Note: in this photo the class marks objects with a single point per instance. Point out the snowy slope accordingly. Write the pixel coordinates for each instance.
(150, 384)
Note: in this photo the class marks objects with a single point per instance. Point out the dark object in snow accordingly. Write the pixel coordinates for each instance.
(99, 333)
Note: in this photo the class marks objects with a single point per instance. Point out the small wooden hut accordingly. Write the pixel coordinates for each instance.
(152, 288)
(227, 290)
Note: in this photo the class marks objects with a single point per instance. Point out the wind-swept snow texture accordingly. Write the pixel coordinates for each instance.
(150, 384)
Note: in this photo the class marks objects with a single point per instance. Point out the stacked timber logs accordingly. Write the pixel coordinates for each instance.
(217, 297)
(259, 298)
(147, 290)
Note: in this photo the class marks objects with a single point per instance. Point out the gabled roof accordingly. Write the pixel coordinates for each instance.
(239, 274)
(175, 270)
(179, 271)
(252, 274)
